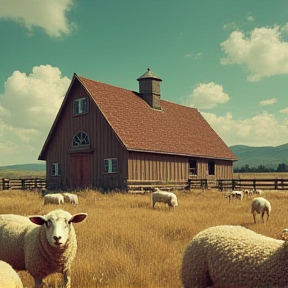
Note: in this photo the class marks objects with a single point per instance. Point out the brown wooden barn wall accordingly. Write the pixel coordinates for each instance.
(103, 144)
(173, 169)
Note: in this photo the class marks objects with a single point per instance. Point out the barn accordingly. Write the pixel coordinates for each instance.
(110, 137)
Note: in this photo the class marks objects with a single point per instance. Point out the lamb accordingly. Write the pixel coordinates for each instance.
(8, 277)
(54, 199)
(27, 244)
(233, 256)
(260, 205)
(164, 197)
(70, 198)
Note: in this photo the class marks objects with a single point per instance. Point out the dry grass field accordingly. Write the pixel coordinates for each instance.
(126, 243)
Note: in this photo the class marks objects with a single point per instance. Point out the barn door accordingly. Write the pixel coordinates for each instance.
(80, 167)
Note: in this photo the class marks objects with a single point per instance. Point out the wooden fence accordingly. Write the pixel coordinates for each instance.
(265, 184)
(23, 184)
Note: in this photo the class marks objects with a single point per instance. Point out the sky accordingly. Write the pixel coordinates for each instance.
(228, 59)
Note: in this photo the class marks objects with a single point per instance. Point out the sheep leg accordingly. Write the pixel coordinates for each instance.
(67, 278)
(254, 217)
(262, 216)
(38, 283)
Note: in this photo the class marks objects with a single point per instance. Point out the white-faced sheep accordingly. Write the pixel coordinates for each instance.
(164, 197)
(8, 277)
(42, 245)
(53, 199)
(233, 256)
(261, 206)
(236, 194)
(70, 198)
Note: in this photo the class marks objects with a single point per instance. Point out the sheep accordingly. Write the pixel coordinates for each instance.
(248, 192)
(236, 194)
(27, 244)
(164, 197)
(260, 205)
(234, 256)
(54, 199)
(258, 191)
(8, 277)
(70, 198)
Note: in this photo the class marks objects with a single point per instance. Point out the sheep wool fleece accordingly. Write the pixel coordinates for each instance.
(24, 246)
(233, 256)
(8, 277)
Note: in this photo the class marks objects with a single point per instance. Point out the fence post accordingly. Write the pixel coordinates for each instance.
(276, 184)
(23, 184)
(5, 183)
(254, 184)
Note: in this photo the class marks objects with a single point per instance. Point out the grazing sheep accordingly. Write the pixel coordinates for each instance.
(284, 234)
(233, 256)
(248, 192)
(54, 199)
(260, 205)
(42, 245)
(164, 197)
(8, 277)
(70, 198)
(258, 191)
(236, 194)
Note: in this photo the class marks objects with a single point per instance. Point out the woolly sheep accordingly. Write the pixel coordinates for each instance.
(236, 194)
(70, 198)
(233, 256)
(261, 206)
(54, 199)
(27, 244)
(164, 197)
(8, 277)
(258, 191)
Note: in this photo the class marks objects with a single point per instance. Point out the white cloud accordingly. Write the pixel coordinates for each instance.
(264, 53)
(50, 15)
(260, 130)
(284, 111)
(268, 102)
(207, 96)
(30, 103)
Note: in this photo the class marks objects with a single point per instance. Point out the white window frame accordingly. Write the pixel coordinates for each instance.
(80, 106)
(110, 165)
(56, 169)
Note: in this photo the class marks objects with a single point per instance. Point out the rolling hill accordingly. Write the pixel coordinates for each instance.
(268, 156)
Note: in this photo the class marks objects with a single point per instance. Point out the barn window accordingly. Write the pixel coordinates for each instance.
(80, 106)
(80, 139)
(192, 167)
(56, 169)
(110, 165)
(211, 168)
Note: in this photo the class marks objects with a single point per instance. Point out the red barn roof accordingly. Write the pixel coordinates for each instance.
(175, 129)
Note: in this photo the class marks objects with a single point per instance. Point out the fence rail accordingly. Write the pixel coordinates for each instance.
(23, 184)
(221, 184)
(269, 184)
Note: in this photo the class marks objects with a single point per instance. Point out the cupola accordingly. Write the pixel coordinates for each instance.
(149, 89)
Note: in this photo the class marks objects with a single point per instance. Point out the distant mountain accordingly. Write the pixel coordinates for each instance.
(268, 156)
(25, 167)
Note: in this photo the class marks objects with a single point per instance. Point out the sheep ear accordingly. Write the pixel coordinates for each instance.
(39, 220)
(78, 218)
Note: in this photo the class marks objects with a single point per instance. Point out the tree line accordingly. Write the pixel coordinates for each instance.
(262, 168)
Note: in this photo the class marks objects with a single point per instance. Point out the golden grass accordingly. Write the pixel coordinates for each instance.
(125, 243)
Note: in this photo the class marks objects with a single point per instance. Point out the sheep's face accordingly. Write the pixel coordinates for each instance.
(57, 226)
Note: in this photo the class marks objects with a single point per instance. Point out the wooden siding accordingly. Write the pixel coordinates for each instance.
(173, 169)
(103, 144)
